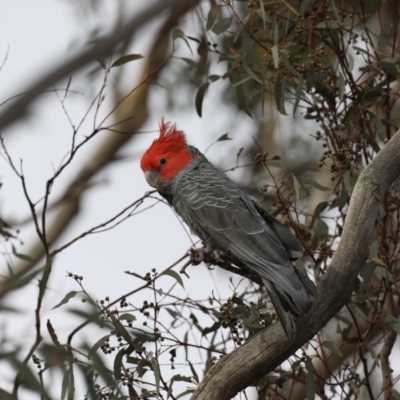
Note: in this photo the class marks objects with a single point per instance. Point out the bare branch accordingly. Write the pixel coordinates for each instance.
(68, 206)
(87, 55)
(271, 347)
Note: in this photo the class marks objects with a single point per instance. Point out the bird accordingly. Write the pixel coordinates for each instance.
(229, 222)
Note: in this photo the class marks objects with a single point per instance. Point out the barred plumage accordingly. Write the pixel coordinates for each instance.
(227, 220)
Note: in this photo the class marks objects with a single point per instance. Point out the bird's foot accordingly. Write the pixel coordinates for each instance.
(210, 257)
(195, 258)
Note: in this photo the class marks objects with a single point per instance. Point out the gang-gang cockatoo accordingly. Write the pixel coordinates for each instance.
(229, 221)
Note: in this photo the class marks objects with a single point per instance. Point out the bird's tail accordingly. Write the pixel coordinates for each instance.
(284, 304)
(285, 316)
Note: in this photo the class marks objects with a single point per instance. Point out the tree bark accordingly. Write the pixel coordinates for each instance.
(268, 349)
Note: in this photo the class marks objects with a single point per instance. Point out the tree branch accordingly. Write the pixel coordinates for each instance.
(271, 347)
(100, 49)
(135, 105)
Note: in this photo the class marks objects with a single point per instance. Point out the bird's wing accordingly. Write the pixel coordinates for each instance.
(293, 246)
(212, 202)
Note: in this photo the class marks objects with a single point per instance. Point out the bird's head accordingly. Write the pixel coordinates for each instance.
(166, 156)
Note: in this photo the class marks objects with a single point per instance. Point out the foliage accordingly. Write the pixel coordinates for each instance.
(335, 63)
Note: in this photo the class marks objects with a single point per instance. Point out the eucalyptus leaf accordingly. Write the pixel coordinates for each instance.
(174, 275)
(224, 137)
(222, 25)
(331, 347)
(310, 380)
(200, 96)
(125, 59)
(66, 299)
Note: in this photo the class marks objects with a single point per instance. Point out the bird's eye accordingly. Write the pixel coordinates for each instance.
(163, 161)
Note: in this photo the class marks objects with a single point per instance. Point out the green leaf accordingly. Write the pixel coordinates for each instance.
(298, 93)
(102, 370)
(316, 185)
(28, 378)
(194, 39)
(304, 6)
(191, 62)
(395, 394)
(65, 385)
(331, 347)
(172, 313)
(367, 272)
(328, 25)
(97, 345)
(132, 393)
(350, 179)
(240, 312)
(156, 371)
(265, 17)
(174, 275)
(66, 299)
(297, 187)
(350, 62)
(285, 58)
(389, 67)
(240, 93)
(279, 91)
(125, 59)
(252, 73)
(52, 334)
(310, 381)
(118, 364)
(128, 317)
(195, 376)
(209, 364)
(239, 153)
(222, 25)
(212, 328)
(320, 207)
(200, 96)
(24, 257)
(178, 34)
(262, 12)
(212, 14)
(392, 323)
(25, 279)
(224, 137)
(341, 86)
(382, 271)
(180, 378)
(321, 230)
(318, 77)
(147, 395)
(275, 56)
(214, 78)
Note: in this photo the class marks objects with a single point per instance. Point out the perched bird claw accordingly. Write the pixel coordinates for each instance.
(215, 255)
(195, 258)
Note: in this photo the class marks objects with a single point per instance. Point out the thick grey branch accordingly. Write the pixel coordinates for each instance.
(271, 347)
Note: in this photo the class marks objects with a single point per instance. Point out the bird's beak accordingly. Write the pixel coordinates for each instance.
(152, 177)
